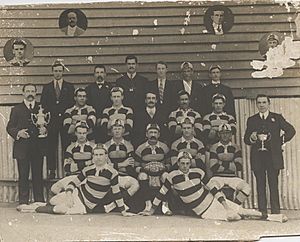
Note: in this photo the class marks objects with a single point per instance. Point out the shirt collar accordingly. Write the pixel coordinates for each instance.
(219, 143)
(85, 143)
(215, 82)
(27, 103)
(157, 144)
(184, 140)
(113, 142)
(102, 168)
(131, 75)
(266, 114)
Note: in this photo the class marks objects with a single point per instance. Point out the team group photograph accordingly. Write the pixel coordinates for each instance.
(131, 144)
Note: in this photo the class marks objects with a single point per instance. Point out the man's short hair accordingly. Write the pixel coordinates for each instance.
(19, 42)
(181, 93)
(223, 128)
(72, 11)
(117, 122)
(100, 146)
(150, 92)
(216, 8)
(152, 126)
(218, 96)
(131, 57)
(184, 154)
(117, 89)
(162, 63)
(186, 64)
(29, 84)
(187, 120)
(58, 62)
(212, 67)
(81, 124)
(99, 66)
(273, 37)
(263, 95)
(80, 89)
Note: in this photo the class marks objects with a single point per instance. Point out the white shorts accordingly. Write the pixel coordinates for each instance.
(217, 211)
(78, 207)
(236, 183)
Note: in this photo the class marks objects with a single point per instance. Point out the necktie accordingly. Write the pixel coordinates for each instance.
(30, 106)
(161, 91)
(151, 112)
(57, 90)
(263, 117)
(219, 28)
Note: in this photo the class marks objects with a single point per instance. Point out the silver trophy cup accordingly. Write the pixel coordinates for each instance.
(263, 138)
(41, 120)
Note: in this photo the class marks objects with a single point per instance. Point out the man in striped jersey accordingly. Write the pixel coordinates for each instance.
(77, 156)
(177, 117)
(188, 142)
(212, 121)
(120, 153)
(117, 111)
(152, 159)
(201, 196)
(79, 112)
(100, 186)
(225, 161)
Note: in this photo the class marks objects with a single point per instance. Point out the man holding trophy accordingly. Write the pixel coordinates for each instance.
(266, 132)
(27, 126)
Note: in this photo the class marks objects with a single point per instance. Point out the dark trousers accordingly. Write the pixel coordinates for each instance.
(267, 171)
(35, 162)
(55, 129)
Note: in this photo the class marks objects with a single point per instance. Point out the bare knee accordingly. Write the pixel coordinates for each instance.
(143, 176)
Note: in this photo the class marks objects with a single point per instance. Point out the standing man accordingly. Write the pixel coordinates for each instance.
(72, 29)
(27, 146)
(98, 96)
(267, 161)
(149, 115)
(216, 87)
(133, 84)
(192, 87)
(162, 88)
(56, 97)
(18, 50)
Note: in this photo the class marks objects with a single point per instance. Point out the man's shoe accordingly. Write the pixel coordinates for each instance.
(277, 218)
(21, 207)
(165, 209)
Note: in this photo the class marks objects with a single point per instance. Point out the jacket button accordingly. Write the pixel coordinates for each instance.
(59, 114)
(57, 102)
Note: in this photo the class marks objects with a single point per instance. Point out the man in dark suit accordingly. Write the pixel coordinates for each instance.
(57, 96)
(133, 84)
(162, 88)
(98, 96)
(213, 88)
(220, 20)
(149, 115)
(269, 161)
(72, 29)
(27, 148)
(192, 87)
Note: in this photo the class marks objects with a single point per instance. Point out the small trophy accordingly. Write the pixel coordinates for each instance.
(41, 120)
(263, 138)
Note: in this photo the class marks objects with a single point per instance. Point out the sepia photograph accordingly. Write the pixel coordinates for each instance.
(149, 121)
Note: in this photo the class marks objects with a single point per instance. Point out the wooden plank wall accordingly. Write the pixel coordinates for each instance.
(109, 38)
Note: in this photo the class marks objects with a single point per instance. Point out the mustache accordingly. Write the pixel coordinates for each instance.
(153, 137)
(30, 96)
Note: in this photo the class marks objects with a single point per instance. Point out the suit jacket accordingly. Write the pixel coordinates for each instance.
(273, 124)
(134, 90)
(20, 118)
(78, 31)
(58, 107)
(195, 94)
(225, 27)
(98, 98)
(207, 94)
(142, 119)
(167, 104)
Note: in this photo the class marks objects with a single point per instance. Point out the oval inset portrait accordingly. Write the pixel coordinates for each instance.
(73, 22)
(218, 19)
(18, 51)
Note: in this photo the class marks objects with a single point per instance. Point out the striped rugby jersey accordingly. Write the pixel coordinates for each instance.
(118, 153)
(177, 117)
(214, 120)
(195, 147)
(86, 113)
(98, 183)
(193, 189)
(225, 160)
(76, 156)
(122, 113)
(147, 153)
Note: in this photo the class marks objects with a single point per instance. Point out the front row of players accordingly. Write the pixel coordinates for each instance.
(105, 177)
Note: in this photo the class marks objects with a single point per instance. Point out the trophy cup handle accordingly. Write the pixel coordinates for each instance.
(33, 117)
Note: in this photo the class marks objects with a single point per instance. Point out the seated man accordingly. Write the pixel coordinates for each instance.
(120, 153)
(117, 111)
(80, 112)
(176, 117)
(188, 143)
(95, 185)
(151, 167)
(77, 156)
(212, 121)
(201, 196)
(225, 161)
